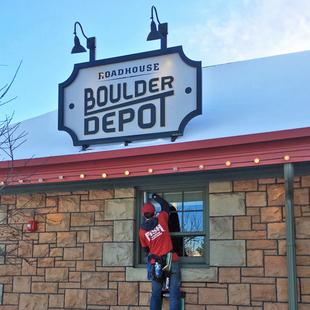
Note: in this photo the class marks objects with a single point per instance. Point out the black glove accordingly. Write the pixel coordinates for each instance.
(153, 195)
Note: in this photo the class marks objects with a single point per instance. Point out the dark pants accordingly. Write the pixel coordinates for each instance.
(175, 294)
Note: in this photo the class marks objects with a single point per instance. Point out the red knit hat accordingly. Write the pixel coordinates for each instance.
(148, 208)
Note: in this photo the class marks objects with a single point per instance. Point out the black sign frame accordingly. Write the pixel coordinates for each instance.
(129, 138)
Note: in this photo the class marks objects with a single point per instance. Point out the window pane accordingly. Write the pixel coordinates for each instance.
(194, 246)
(174, 222)
(175, 199)
(156, 205)
(192, 221)
(193, 200)
(152, 201)
(186, 218)
(177, 243)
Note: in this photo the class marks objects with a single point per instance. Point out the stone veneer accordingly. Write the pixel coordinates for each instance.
(81, 257)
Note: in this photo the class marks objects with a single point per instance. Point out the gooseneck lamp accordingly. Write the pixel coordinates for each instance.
(162, 31)
(91, 44)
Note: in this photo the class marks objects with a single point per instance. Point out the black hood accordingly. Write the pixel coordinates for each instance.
(149, 224)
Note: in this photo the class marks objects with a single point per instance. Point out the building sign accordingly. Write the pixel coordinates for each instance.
(141, 96)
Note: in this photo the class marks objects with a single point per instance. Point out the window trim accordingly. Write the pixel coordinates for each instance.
(188, 262)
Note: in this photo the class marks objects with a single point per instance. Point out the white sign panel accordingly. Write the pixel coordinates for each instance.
(140, 96)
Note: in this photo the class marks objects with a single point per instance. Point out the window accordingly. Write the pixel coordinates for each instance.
(188, 223)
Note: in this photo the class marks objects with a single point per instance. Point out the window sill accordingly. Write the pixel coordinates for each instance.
(188, 274)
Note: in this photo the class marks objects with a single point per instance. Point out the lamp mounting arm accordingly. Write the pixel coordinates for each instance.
(154, 9)
(77, 23)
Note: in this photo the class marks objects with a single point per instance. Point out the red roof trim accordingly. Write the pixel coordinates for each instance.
(241, 151)
(168, 148)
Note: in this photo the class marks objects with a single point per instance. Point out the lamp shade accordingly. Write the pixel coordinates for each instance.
(154, 34)
(78, 48)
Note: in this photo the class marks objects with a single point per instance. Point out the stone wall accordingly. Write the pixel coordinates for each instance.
(81, 256)
(253, 212)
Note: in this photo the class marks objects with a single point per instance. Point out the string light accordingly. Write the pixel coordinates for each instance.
(150, 170)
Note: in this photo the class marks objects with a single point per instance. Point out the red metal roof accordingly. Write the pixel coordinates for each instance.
(225, 153)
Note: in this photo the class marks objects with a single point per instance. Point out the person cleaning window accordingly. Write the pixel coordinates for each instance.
(156, 242)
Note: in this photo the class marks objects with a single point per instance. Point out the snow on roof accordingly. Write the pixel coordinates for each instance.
(242, 98)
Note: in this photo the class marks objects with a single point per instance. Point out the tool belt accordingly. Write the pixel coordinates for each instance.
(165, 262)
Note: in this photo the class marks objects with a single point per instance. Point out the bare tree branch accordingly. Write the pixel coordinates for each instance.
(13, 219)
(10, 140)
(6, 87)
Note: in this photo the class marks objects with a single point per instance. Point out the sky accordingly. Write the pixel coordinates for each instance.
(39, 35)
